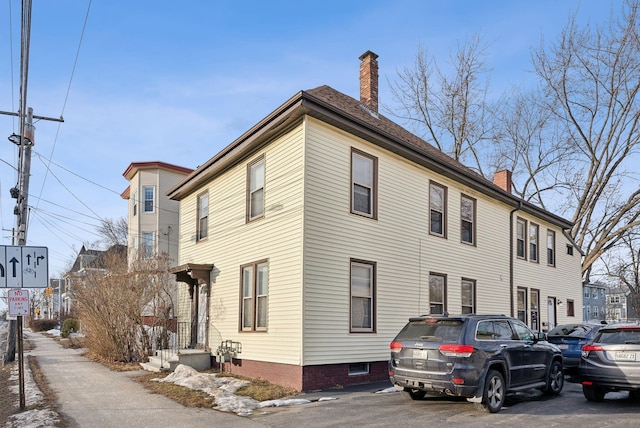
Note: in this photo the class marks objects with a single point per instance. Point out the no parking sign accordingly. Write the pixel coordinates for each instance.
(18, 302)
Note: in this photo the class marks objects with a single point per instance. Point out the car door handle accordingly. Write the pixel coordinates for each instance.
(504, 346)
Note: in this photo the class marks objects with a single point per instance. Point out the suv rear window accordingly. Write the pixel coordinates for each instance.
(434, 330)
(619, 336)
(576, 330)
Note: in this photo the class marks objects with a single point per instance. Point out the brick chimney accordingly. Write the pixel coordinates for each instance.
(502, 179)
(369, 81)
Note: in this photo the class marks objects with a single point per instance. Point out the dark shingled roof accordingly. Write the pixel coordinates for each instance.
(355, 109)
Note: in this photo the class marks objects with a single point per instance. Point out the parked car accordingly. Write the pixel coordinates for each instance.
(480, 357)
(611, 362)
(570, 338)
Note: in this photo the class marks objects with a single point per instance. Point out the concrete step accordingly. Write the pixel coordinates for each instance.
(168, 360)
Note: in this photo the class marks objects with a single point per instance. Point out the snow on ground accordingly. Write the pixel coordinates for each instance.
(223, 389)
(36, 418)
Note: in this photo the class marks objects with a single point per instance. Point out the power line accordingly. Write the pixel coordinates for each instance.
(64, 104)
(49, 161)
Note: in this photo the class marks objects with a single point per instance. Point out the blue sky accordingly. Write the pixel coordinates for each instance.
(178, 81)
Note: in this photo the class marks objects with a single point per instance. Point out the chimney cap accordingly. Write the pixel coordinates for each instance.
(368, 53)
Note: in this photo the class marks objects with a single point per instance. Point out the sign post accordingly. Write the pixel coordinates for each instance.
(22, 266)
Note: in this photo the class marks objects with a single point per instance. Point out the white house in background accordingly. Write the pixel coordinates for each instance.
(152, 217)
(307, 242)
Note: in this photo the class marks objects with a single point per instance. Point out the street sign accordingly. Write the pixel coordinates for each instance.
(18, 302)
(24, 267)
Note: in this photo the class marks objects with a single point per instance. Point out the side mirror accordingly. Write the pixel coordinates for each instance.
(541, 336)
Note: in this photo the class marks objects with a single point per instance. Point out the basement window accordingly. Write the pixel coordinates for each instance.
(358, 369)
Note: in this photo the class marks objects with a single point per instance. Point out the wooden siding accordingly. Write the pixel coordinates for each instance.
(232, 242)
(399, 242)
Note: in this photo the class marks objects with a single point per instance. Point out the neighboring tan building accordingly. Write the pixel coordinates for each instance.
(308, 242)
(153, 226)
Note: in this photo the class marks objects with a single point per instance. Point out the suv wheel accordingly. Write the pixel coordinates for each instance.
(494, 393)
(413, 394)
(593, 393)
(555, 380)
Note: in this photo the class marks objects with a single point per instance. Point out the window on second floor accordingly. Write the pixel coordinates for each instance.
(521, 239)
(149, 198)
(364, 172)
(255, 189)
(533, 242)
(437, 210)
(587, 292)
(468, 219)
(203, 216)
(551, 248)
(134, 203)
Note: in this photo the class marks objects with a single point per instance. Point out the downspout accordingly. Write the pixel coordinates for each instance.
(519, 207)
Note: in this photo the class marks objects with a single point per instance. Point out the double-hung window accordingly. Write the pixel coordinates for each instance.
(363, 279)
(255, 189)
(148, 245)
(521, 239)
(149, 198)
(468, 288)
(522, 304)
(533, 242)
(254, 296)
(551, 248)
(203, 216)
(437, 210)
(468, 219)
(364, 176)
(437, 293)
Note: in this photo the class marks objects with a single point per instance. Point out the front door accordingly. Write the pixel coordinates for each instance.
(551, 313)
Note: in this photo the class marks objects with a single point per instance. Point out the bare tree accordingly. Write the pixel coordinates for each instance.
(114, 300)
(449, 110)
(624, 267)
(591, 80)
(114, 232)
(570, 141)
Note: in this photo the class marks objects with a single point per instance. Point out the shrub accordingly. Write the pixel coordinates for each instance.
(70, 325)
(42, 325)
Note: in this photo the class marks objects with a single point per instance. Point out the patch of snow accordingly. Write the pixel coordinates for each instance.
(54, 332)
(387, 390)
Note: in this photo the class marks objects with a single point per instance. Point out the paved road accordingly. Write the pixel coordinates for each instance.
(91, 395)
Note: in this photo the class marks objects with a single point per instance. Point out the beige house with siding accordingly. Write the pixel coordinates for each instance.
(308, 242)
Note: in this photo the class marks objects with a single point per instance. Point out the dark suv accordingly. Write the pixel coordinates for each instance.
(480, 357)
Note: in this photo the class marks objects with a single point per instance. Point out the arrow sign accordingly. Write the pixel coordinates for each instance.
(22, 266)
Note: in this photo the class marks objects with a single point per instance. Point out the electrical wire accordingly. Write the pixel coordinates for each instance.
(66, 98)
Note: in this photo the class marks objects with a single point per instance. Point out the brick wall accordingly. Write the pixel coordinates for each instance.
(307, 378)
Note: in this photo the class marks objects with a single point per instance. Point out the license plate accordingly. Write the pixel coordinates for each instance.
(625, 356)
(420, 354)
(563, 346)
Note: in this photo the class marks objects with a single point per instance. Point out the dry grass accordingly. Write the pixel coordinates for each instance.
(262, 390)
(186, 396)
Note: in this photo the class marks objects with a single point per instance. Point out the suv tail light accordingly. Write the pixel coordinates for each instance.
(396, 346)
(454, 350)
(586, 349)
